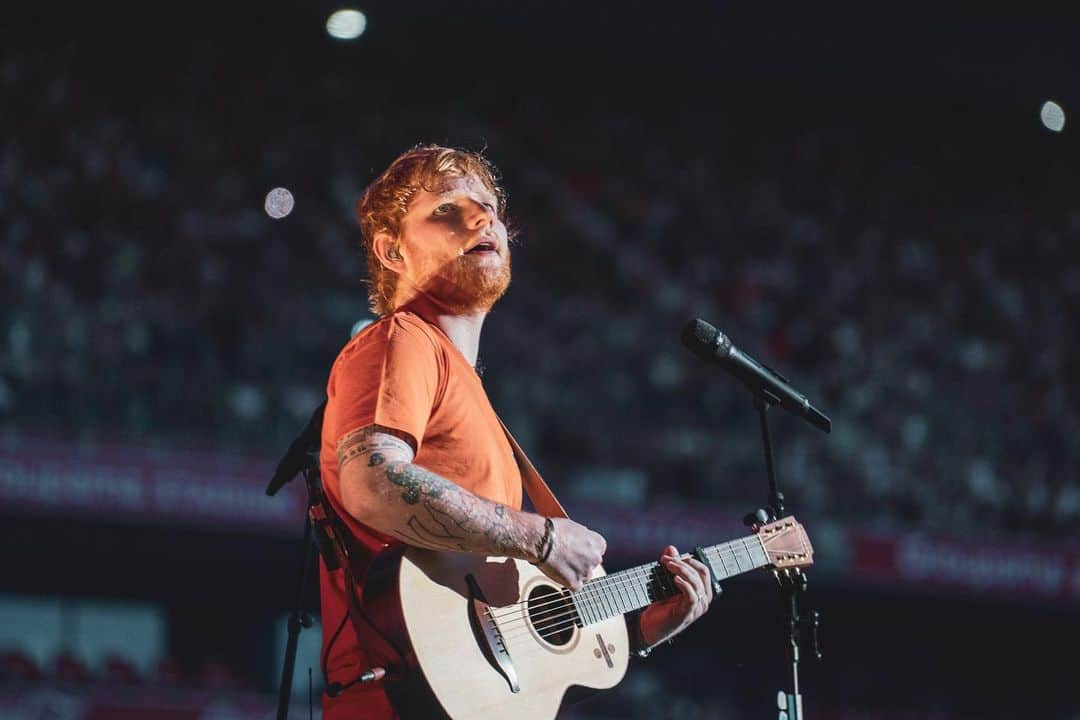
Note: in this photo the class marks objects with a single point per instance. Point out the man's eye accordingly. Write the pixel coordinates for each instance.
(446, 208)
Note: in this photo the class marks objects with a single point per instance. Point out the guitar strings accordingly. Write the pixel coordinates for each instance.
(553, 625)
(588, 591)
(592, 588)
(549, 626)
(567, 608)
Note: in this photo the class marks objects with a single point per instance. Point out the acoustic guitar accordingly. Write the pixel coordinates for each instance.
(480, 637)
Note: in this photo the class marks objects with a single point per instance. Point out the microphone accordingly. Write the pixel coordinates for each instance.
(710, 344)
(335, 688)
(298, 456)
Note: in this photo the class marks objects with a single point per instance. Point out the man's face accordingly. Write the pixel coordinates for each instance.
(454, 247)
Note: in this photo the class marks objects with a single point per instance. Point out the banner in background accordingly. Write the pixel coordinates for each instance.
(209, 490)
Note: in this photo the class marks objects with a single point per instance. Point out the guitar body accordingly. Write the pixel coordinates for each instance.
(486, 637)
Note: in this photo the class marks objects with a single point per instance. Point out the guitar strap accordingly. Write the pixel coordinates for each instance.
(538, 491)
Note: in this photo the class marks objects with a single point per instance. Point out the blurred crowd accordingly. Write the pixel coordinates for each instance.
(920, 287)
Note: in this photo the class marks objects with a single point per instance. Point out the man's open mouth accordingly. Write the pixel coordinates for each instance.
(482, 246)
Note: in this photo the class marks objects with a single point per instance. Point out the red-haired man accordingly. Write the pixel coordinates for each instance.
(409, 436)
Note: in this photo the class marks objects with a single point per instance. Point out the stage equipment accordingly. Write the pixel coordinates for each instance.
(710, 344)
(768, 388)
(303, 457)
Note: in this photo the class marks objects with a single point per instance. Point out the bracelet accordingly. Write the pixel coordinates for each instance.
(547, 542)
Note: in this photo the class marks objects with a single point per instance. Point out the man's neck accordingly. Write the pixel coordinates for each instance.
(462, 329)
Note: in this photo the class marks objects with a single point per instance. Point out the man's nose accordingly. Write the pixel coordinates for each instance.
(480, 216)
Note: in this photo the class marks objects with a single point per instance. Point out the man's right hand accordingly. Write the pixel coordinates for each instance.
(576, 553)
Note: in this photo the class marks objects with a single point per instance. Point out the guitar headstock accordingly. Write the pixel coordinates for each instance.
(786, 544)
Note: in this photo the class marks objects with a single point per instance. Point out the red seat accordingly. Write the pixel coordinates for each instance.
(16, 667)
(121, 671)
(69, 669)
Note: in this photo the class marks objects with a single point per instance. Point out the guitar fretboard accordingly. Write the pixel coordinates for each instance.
(638, 587)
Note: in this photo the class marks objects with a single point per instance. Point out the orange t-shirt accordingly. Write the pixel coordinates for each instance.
(403, 373)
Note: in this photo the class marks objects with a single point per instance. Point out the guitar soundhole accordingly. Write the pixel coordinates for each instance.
(552, 614)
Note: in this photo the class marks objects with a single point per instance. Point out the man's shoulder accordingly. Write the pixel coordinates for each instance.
(399, 326)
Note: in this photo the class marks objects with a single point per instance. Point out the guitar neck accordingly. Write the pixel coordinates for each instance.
(628, 590)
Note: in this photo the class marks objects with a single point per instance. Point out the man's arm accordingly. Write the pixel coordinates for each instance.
(665, 619)
(382, 487)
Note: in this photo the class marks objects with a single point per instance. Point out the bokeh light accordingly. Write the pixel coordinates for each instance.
(1053, 117)
(346, 24)
(279, 203)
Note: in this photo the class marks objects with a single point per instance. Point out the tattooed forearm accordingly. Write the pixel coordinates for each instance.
(434, 533)
(455, 518)
(397, 497)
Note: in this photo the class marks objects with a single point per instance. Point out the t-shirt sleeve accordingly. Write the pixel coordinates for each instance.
(391, 378)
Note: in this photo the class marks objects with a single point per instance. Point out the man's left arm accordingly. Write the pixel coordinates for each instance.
(665, 619)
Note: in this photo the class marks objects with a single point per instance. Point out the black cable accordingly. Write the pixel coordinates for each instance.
(329, 645)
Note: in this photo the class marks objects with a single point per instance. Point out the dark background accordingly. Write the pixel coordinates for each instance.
(863, 197)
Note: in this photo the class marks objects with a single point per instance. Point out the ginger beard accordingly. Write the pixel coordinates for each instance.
(473, 283)
(469, 284)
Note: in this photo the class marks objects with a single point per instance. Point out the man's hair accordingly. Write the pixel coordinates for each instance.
(387, 198)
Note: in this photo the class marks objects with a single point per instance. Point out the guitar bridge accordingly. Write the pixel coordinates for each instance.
(489, 637)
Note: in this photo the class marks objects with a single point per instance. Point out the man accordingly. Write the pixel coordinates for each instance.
(412, 451)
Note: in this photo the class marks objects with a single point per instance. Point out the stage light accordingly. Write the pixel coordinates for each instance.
(279, 203)
(1053, 117)
(346, 24)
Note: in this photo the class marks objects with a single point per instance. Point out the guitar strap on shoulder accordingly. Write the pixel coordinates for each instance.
(538, 491)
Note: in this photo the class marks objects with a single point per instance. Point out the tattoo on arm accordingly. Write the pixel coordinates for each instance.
(450, 517)
(424, 509)
(373, 439)
(416, 481)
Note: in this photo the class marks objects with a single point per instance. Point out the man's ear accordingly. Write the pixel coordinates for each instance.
(386, 249)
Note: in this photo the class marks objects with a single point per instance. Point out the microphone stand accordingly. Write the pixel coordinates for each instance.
(793, 581)
(299, 619)
(301, 457)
